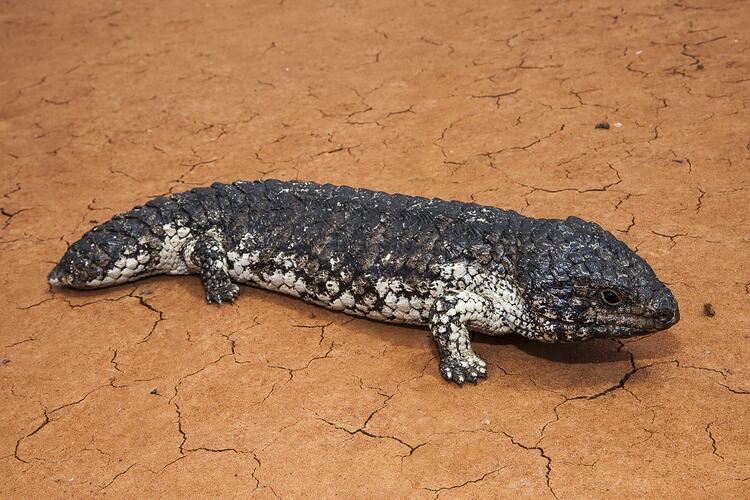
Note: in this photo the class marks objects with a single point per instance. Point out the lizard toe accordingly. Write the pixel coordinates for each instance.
(459, 371)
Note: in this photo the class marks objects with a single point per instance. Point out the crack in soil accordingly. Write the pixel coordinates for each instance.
(548, 473)
(117, 476)
(713, 441)
(437, 491)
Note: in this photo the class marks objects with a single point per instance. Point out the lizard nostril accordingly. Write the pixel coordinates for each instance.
(665, 316)
(666, 311)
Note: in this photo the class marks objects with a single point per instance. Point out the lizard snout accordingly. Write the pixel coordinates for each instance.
(667, 312)
(56, 276)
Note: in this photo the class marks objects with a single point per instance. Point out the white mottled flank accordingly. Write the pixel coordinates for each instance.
(400, 302)
(175, 252)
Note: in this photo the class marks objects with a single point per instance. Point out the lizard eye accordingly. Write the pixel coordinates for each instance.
(610, 297)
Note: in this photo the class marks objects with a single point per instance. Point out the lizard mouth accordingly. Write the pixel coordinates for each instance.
(607, 327)
(636, 326)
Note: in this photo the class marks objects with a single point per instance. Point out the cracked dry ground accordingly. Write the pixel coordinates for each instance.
(146, 390)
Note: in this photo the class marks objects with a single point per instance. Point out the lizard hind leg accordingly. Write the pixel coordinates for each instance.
(210, 256)
(448, 322)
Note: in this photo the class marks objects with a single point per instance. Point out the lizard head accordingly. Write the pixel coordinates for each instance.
(581, 282)
(104, 256)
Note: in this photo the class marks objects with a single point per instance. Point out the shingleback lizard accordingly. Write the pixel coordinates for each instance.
(447, 265)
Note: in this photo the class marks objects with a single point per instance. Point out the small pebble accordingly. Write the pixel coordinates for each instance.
(602, 125)
(486, 421)
(618, 124)
(708, 310)
(4, 361)
(154, 391)
(699, 66)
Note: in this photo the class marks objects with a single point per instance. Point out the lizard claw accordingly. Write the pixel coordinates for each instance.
(460, 370)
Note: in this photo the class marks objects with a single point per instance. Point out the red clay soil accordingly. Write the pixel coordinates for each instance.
(145, 390)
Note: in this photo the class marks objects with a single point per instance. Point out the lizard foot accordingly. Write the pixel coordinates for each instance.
(459, 370)
(224, 293)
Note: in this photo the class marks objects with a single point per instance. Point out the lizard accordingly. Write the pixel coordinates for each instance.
(451, 266)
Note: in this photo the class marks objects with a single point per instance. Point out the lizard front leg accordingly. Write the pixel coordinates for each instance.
(210, 256)
(449, 319)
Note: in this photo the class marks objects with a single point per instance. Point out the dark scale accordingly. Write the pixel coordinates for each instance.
(447, 265)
